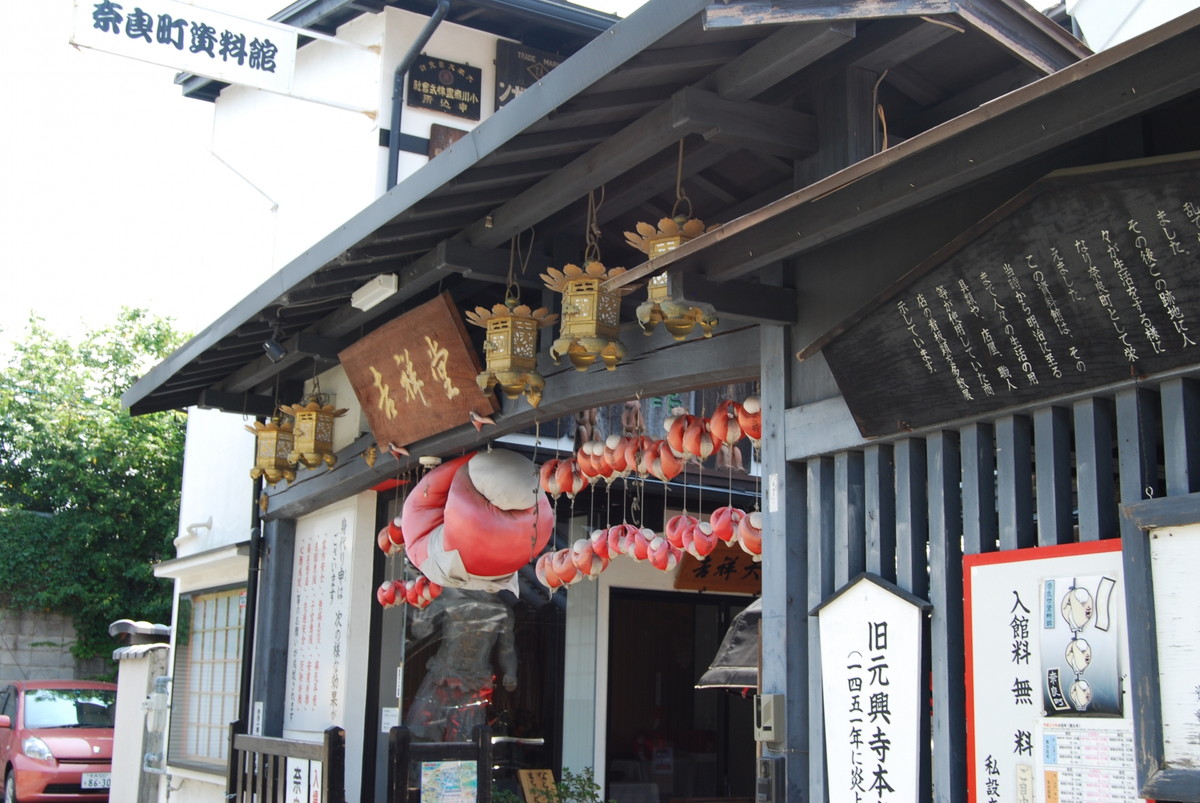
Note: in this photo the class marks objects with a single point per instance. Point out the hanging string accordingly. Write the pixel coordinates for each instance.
(680, 196)
(591, 251)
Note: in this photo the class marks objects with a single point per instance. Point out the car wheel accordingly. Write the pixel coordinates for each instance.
(10, 788)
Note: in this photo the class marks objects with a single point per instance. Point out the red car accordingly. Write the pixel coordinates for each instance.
(56, 739)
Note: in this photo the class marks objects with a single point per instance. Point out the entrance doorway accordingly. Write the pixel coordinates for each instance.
(666, 740)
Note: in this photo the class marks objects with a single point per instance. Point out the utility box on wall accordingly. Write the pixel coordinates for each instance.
(769, 718)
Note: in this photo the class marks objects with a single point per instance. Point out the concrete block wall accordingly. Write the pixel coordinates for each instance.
(35, 645)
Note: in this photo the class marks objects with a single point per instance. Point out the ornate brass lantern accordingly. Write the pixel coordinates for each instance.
(510, 348)
(665, 303)
(312, 432)
(591, 315)
(273, 444)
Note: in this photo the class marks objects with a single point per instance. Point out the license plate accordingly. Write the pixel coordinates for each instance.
(96, 780)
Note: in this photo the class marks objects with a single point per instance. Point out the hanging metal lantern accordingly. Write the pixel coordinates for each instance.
(510, 348)
(591, 315)
(273, 445)
(670, 234)
(312, 432)
(665, 303)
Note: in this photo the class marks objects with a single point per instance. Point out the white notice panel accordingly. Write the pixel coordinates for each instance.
(317, 671)
(871, 685)
(1048, 697)
(1174, 556)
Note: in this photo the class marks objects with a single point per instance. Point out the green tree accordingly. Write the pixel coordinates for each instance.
(89, 495)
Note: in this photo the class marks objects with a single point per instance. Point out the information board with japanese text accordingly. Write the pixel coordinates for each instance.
(1087, 278)
(1048, 691)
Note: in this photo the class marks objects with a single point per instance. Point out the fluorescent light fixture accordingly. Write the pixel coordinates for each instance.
(374, 291)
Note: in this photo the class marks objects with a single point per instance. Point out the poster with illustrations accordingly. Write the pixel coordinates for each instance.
(1048, 694)
(1080, 647)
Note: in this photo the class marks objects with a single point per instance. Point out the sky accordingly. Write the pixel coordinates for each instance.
(105, 174)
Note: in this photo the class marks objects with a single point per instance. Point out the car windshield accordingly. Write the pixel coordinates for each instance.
(70, 708)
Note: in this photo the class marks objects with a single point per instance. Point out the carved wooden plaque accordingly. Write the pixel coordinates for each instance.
(415, 376)
(1089, 277)
(728, 569)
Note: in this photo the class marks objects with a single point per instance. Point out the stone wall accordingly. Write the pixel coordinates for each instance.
(37, 646)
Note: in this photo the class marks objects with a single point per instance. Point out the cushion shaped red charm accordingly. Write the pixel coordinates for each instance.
(474, 521)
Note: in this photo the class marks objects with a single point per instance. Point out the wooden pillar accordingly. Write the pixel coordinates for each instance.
(785, 623)
(946, 626)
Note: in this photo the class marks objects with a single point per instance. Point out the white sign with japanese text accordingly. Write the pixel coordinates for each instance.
(190, 39)
(322, 632)
(1048, 708)
(872, 691)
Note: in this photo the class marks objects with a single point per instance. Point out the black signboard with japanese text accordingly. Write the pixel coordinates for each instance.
(445, 86)
(519, 67)
(1087, 278)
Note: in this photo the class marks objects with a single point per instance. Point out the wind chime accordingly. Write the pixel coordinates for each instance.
(510, 345)
(665, 303)
(591, 314)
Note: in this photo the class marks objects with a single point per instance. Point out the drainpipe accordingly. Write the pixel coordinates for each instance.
(251, 611)
(435, 19)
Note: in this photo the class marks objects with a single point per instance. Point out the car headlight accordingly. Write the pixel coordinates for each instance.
(36, 748)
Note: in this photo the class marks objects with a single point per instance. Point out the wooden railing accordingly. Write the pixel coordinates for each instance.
(259, 770)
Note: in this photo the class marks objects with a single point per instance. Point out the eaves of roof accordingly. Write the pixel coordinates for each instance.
(660, 75)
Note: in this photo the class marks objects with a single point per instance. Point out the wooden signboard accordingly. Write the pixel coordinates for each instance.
(519, 67)
(727, 569)
(415, 376)
(441, 85)
(1087, 278)
(538, 786)
(442, 137)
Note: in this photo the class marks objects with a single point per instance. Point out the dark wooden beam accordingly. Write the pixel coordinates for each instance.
(450, 203)
(544, 144)
(1025, 32)
(655, 366)
(780, 56)
(1024, 125)
(243, 403)
(690, 110)
(756, 127)
(1016, 27)
(302, 348)
(781, 12)
(741, 301)
(689, 57)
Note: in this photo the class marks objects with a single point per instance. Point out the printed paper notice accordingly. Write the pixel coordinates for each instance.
(449, 781)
